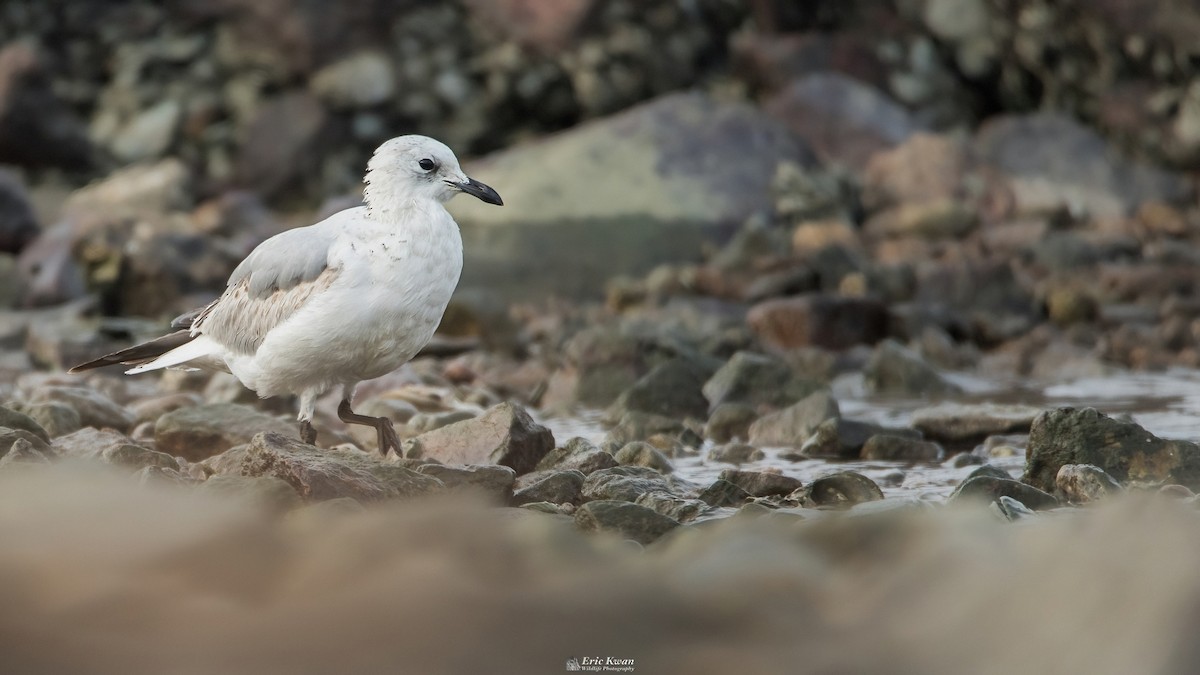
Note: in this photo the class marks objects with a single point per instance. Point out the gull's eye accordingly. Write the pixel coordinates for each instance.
(427, 164)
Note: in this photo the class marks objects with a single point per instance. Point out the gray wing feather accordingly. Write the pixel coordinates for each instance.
(284, 261)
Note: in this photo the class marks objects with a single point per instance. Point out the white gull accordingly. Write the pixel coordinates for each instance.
(348, 299)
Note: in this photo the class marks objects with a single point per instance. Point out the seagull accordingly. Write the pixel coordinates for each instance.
(329, 305)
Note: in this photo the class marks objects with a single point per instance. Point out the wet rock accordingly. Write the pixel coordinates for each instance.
(841, 490)
(724, 493)
(95, 409)
(1083, 483)
(756, 380)
(988, 470)
(22, 451)
(628, 520)
(492, 481)
(1056, 161)
(794, 424)
(735, 453)
(137, 457)
(894, 369)
(624, 191)
(504, 434)
(56, 418)
(970, 423)
(625, 483)
(1124, 450)
(846, 121)
(841, 438)
(18, 223)
(318, 474)
(199, 432)
(677, 508)
(37, 129)
(729, 421)
(577, 454)
(357, 81)
(990, 488)
(640, 453)
(670, 389)
(556, 487)
(281, 143)
(13, 419)
(900, 448)
(762, 483)
(265, 492)
(819, 320)
(637, 426)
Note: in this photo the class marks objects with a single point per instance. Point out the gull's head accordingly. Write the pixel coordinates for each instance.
(419, 166)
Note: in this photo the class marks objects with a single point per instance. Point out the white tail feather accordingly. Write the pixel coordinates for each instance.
(196, 349)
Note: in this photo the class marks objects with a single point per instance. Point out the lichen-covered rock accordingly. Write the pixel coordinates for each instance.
(504, 434)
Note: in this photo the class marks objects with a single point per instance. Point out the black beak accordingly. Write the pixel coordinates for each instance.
(481, 191)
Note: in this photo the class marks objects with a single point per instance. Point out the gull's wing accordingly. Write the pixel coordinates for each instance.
(271, 284)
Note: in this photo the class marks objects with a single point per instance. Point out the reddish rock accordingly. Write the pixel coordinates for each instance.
(819, 320)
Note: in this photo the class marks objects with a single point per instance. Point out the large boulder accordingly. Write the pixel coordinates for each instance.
(621, 194)
(1124, 450)
(504, 434)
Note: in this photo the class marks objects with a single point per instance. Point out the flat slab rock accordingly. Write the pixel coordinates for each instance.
(973, 422)
(504, 434)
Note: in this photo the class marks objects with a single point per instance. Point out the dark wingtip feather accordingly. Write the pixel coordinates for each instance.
(138, 354)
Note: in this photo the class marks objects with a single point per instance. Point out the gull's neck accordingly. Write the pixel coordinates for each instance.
(386, 203)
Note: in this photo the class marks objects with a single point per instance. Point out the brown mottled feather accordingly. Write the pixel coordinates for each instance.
(240, 321)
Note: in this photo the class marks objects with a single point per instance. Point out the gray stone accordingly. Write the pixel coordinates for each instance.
(638, 426)
(624, 483)
(730, 421)
(23, 451)
(675, 507)
(58, 419)
(640, 453)
(577, 454)
(762, 483)
(149, 133)
(990, 488)
(1084, 483)
(504, 434)
(492, 481)
(841, 438)
(793, 425)
(227, 463)
(266, 492)
(199, 432)
(89, 443)
(555, 487)
(361, 80)
(670, 389)
(901, 448)
(422, 422)
(735, 453)
(841, 490)
(756, 380)
(95, 409)
(1124, 450)
(630, 521)
(724, 493)
(1011, 509)
(136, 457)
(328, 474)
(12, 419)
(970, 423)
(894, 369)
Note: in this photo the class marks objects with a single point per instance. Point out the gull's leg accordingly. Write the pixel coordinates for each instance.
(383, 426)
(308, 405)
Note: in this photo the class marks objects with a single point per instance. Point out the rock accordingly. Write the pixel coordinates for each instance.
(37, 129)
(577, 454)
(556, 487)
(735, 453)
(228, 463)
(762, 483)
(95, 409)
(677, 508)
(724, 493)
(318, 474)
(491, 481)
(894, 369)
(900, 448)
(640, 453)
(630, 521)
(546, 27)
(925, 168)
(1124, 450)
(841, 438)
(150, 409)
(202, 431)
(361, 80)
(56, 418)
(149, 134)
(842, 490)
(22, 451)
(846, 121)
(1083, 483)
(934, 219)
(1054, 159)
(990, 488)
(504, 434)
(1011, 509)
(670, 389)
(422, 422)
(729, 421)
(12, 419)
(137, 457)
(18, 222)
(90, 443)
(625, 483)
(621, 195)
(988, 470)
(756, 380)
(1066, 306)
(794, 424)
(265, 492)
(971, 423)
(819, 320)
(638, 426)
(281, 143)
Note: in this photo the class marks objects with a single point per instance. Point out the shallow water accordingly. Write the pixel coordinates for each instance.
(1167, 404)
